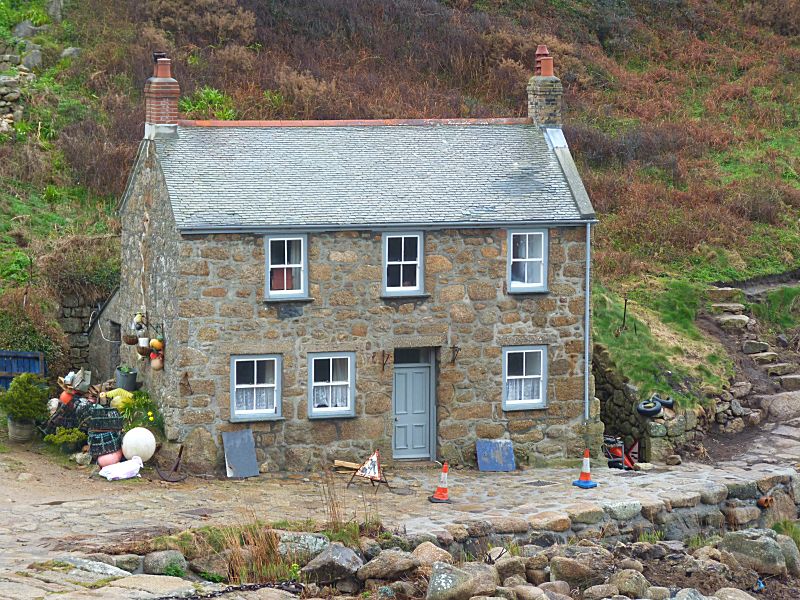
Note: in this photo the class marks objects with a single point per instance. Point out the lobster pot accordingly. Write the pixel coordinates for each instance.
(104, 419)
(64, 416)
(104, 442)
(83, 410)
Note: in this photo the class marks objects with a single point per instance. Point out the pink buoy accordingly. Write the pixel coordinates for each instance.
(109, 459)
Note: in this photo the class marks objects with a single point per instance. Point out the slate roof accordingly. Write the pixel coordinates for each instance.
(260, 178)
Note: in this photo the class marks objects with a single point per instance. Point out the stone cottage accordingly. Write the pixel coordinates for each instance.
(341, 286)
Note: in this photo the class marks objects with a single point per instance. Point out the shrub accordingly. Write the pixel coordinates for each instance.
(86, 266)
(26, 398)
(65, 436)
(141, 411)
(174, 570)
(208, 102)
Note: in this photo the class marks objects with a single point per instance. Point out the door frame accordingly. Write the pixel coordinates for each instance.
(430, 353)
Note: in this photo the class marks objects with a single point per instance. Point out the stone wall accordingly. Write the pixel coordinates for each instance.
(219, 311)
(10, 86)
(104, 340)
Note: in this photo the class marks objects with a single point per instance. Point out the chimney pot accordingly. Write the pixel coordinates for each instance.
(544, 92)
(541, 51)
(161, 93)
(546, 66)
(163, 68)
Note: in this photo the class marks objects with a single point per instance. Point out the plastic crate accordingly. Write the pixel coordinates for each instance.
(104, 442)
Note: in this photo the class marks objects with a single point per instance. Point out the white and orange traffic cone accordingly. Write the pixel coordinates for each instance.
(440, 495)
(585, 479)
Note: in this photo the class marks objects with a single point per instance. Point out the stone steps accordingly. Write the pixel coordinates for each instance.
(790, 383)
(732, 322)
(754, 346)
(733, 308)
(778, 369)
(724, 294)
(763, 358)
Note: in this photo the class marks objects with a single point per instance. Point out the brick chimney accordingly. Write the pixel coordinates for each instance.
(161, 94)
(544, 91)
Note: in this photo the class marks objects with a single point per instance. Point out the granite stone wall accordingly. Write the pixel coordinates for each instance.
(208, 291)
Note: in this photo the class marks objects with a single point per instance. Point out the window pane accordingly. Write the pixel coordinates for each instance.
(407, 355)
(535, 245)
(518, 245)
(395, 250)
(393, 276)
(518, 272)
(532, 389)
(409, 275)
(295, 251)
(533, 363)
(533, 272)
(322, 370)
(244, 399)
(340, 396)
(294, 279)
(340, 370)
(514, 390)
(321, 397)
(514, 364)
(277, 279)
(265, 371)
(277, 252)
(410, 248)
(265, 399)
(244, 372)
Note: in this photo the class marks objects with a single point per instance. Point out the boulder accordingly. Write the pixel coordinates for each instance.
(428, 553)
(155, 563)
(733, 322)
(157, 585)
(732, 594)
(389, 564)
(369, 547)
(757, 549)
(301, 547)
(581, 566)
(631, 563)
(754, 347)
(791, 555)
(335, 562)
(657, 593)
(213, 564)
(32, 59)
(528, 592)
(690, 594)
(128, 562)
(559, 587)
(95, 566)
(600, 592)
(486, 578)
(25, 29)
(507, 593)
(514, 581)
(510, 565)
(629, 583)
(70, 52)
(763, 358)
(449, 583)
(783, 508)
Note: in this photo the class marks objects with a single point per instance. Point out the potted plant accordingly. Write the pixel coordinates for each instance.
(24, 403)
(68, 439)
(126, 378)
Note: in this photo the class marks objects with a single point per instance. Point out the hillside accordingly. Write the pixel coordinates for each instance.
(682, 114)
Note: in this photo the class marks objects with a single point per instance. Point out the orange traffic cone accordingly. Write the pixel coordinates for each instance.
(440, 495)
(585, 480)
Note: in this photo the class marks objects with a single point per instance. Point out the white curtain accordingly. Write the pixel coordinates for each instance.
(331, 396)
(523, 389)
(260, 398)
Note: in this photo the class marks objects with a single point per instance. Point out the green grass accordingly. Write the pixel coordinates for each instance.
(677, 304)
(790, 528)
(651, 536)
(699, 540)
(174, 570)
(780, 308)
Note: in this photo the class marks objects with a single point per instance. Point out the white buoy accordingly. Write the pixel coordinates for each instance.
(140, 442)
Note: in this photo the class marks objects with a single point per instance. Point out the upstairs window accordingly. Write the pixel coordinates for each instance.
(524, 377)
(255, 387)
(287, 267)
(331, 384)
(402, 264)
(527, 261)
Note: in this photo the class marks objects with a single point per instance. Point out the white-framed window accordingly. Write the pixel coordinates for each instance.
(524, 377)
(287, 266)
(527, 260)
(256, 387)
(331, 384)
(403, 262)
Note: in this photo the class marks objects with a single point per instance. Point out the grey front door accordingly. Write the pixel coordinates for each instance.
(412, 411)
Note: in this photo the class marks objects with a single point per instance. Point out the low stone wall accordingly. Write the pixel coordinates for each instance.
(10, 87)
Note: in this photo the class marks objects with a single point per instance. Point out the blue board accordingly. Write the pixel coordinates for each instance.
(495, 455)
(240, 453)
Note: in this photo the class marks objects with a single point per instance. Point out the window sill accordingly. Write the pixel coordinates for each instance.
(255, 418)
(331, 416)
(288, 299)
(405, 296)
(522, 291)
(517, 408)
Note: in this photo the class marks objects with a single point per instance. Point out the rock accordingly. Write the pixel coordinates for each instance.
(781, 407)
(428, 553)
(128, 562)
(301, 546)
(54, 10)
(71, 52)
(791, 554)
(158, 585)
(754, 347)
(629, 583)
(732, 594)
(25, 29)
(213, 564)
(741, 389)
(200, 453)
(736, 408)
(348, 586)
(783, 509)
(507, 593)
(733, 322)
(656, 429)
(777, 369)
(496, 553)
(405, 589)
(450, 583)
(600, 592)
(386, 593)
(559, 587)
(733, 308)
(657, 593)
(645, 466)
(510, 565)
(514, 581)
(486, 578)
(631, 563)
(690, 594)
(707, 553)
(790, 383)
(733, 426)
(713, 493)
(24, 477)
(155, 563)
(94, 566)
(723, 294)
(334, 563)
(549, 521)
(754, 418)
(528, 592)
(33, 59)
(673, 460)
(369, 547)
(389, 564)
(763, 358)
(624, 511)
(756, 549)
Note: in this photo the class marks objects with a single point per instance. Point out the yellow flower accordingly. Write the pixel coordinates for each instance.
(149, 413)
(152, 418)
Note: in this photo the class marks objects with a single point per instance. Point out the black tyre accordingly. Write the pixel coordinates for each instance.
(667, 402)
(616, 463)
(649, 408)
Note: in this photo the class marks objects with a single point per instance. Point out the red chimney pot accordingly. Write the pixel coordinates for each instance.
(546, 66)
(163, 68)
